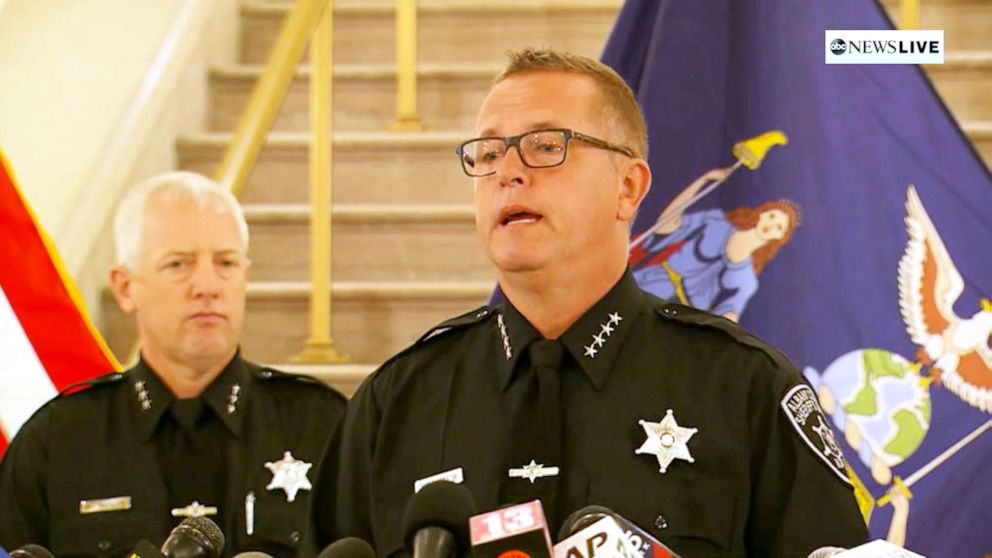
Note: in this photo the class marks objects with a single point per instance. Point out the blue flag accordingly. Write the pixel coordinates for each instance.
(855, 236)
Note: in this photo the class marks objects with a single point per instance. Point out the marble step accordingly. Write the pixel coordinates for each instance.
(370, 243)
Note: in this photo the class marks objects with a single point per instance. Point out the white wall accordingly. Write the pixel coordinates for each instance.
(92, 96)
(69, 69)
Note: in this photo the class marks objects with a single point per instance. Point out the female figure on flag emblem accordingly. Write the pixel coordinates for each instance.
(711, 259)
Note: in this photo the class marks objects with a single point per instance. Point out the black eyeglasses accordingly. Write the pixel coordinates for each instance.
(538, 149)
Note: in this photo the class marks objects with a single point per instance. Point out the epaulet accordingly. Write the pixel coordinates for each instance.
(104, 380)
(694, 316)
(267, 374)
(468, 318)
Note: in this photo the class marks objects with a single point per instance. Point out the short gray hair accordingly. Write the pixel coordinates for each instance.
(178, 185)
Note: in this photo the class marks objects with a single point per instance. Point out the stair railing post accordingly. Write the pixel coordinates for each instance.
(407, 119)
(319, 346)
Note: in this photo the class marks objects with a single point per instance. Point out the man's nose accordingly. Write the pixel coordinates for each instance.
(206, 280)
(511, 168)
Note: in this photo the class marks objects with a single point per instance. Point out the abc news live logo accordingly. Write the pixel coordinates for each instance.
(884, 47)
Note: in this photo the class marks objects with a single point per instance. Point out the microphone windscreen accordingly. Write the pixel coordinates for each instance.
(440, 504)
(204, 531)
(348, 547)
(582, 518)
(31, 551)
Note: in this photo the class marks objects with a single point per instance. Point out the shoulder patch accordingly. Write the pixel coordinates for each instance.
(803, 411)
(468, 318)
(104, 380)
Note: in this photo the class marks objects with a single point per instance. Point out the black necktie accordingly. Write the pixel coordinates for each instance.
(194, 473)
(535, 433)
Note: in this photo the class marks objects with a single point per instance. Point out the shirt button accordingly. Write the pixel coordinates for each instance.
(103, 545)
(294, 536)
(660, 522)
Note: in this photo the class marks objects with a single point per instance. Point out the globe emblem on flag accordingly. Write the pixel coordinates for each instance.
(879, 402)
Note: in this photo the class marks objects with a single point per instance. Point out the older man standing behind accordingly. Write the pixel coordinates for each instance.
(192, 429)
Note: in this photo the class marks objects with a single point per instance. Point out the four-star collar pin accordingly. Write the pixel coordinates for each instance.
(599, 339)
(666, 440)
(289, 474)
(533, 471)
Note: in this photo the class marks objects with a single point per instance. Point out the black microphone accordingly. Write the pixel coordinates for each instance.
(195, 537)
(145, 549)
(31, 551)
(348, 547)
(519, 531)
(637, 539)
(435, 521)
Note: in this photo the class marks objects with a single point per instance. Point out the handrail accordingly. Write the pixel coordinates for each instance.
(407, 119)
(267, 96)
(319, 347)
(909, 14)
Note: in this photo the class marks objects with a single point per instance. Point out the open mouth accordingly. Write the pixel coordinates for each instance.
(518, 216)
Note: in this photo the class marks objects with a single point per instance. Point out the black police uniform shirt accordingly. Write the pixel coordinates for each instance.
(95, 471)
(761, 482)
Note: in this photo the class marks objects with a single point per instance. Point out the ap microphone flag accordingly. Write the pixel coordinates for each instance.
(46, 337)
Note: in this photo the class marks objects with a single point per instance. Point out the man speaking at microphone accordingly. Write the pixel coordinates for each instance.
(192, 429)
(581, 388)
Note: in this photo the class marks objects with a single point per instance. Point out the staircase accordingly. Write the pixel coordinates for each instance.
(405, 251)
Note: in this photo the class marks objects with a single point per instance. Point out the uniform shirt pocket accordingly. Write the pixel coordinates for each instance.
(279, 524)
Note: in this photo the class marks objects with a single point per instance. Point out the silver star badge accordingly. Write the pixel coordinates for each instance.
(666, 440)
(289, 474)
(532, 471)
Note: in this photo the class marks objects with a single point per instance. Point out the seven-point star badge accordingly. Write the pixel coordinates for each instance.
(289, 474)
(666, 440)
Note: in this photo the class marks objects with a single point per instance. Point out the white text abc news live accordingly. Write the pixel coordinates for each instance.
(883, 47)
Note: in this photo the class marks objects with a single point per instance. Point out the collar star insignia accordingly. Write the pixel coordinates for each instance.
(533, 471)
(666, 440)
(591, 350)
(606, 328)
(289, 474)
(615, 318)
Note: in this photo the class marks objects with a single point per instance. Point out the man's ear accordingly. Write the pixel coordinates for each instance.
(635, 181)
(120, 285)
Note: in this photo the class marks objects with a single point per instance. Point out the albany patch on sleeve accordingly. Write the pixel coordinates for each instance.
(804, 412)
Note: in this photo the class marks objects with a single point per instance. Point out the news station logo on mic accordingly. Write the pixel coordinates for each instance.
(884, 47)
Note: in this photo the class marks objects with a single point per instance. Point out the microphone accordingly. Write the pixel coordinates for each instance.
(252, 554)
(519, 531)
(874, 549)
(640, 540)
(348, 547)
(31, 551)
(435, 521)
(145, 549)
(195, 537)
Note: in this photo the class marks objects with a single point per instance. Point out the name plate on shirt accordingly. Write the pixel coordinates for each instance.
(455, 475)
(105, 505)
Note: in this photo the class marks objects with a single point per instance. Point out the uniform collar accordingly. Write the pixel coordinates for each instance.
(225, 396)
(594, 340)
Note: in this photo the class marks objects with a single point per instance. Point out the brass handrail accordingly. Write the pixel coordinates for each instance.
(319, 347)
(407, 119)
(267, 96)
(909, 14)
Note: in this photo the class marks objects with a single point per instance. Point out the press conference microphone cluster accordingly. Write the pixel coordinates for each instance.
(194, 537)
(435, 521)
(875, 549)
(595, 531)
(31, 551)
